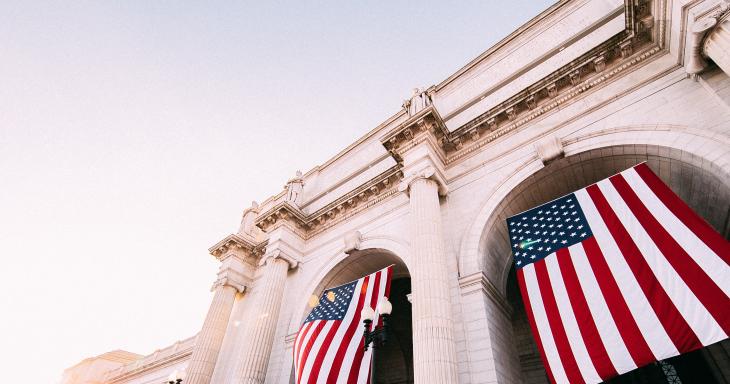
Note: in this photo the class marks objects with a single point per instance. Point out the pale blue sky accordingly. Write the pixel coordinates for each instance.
(133, 133)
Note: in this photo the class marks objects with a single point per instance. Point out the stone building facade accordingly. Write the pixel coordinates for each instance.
(582, 91)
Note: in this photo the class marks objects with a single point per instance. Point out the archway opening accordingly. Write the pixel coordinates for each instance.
(705, 188)
(393, 363)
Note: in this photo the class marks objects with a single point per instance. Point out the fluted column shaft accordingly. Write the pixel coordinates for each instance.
(260, 331)
(208, 343)
(434, 356)
(717, 45)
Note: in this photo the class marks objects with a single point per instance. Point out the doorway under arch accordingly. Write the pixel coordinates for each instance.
(705, 188)
(394, 362)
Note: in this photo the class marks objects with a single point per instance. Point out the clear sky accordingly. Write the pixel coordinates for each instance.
(133, 133)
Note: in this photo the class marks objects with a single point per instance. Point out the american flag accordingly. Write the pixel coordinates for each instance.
(618, 275)
(329, 345)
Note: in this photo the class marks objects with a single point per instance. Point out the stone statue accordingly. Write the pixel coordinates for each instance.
(248, 218)
(294, 188)
(418, 101)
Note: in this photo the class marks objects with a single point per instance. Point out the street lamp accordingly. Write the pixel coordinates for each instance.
(378, 336)
(176, 377)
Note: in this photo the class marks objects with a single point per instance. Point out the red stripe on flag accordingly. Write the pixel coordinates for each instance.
(686, 215)
(323, 351)
(556, 326)
(630, 333)
(702, 286)
(305, 356)
(355, 372)
(352, 327)
(588, 330)
(531, 320)
(302, 334)
(674, 323)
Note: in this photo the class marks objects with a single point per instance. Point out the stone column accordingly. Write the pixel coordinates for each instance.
(434, 356)
(208, 342)
(259, 334)
(716, 45)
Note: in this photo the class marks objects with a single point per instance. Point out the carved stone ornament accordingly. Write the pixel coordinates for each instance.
(549, 149)
(278, 254)
(428, 172)
(352, 241)
(231, 282)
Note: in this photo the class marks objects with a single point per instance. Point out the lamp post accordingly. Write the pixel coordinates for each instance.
(378, 336)
(175, 377)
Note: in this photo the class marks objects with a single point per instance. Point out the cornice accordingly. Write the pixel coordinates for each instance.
(366, 195)
(238, 243)
(640, 39)
(174, 358)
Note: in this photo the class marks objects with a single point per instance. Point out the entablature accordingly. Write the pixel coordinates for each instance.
(372, 192)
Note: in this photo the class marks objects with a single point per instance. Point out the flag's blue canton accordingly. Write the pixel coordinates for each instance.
(543, 230)
(336, 308)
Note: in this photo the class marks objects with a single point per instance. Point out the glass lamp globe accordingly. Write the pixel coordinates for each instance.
(385, 307)
(367, 313)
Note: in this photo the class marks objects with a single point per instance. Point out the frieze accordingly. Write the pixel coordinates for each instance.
(381, 187)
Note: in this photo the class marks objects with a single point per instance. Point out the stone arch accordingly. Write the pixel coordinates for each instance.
(707, 152)
(395, 248)
(691, 164)
(376, 252)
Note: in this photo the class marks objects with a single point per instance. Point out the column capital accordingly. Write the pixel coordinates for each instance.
(278, 254)
(227, 281)
(429, 172)
(232, 274)
(701, 41)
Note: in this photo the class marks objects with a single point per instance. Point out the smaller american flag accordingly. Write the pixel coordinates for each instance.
(617, 275)
(329, 345)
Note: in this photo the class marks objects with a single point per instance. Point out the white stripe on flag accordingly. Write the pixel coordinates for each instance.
(708, 260)
(543, 327)
(570, 324)
(303, 353)
(299, 340)
(316, 350)
(647, 321)
(615, 346)
(696, 315)
(350, 316)
(355, 342)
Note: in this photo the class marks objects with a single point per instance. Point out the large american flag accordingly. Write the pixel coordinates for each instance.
(329, 345)
(618, 275)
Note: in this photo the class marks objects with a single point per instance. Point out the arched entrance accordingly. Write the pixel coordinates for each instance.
(394, 362)
(705, 188)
